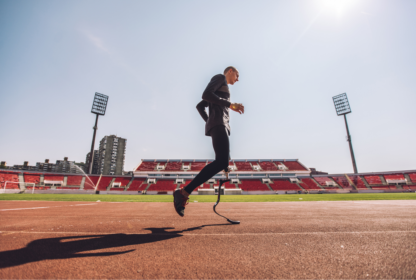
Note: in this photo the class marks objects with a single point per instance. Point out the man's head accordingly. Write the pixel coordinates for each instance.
(231, 74)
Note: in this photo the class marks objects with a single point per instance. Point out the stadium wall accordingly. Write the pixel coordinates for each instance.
(392, 181)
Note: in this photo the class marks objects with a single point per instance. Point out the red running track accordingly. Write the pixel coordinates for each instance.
(278, 240)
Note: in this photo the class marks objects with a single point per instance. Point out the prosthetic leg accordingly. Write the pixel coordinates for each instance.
(219, 195)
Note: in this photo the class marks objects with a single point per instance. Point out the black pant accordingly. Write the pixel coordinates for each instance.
(221, 144)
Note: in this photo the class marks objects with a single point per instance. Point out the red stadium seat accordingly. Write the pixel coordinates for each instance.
(226, 185)
(253, 185)
(284, 185)
(90, 182)
(342, 181)
(147, 166)
(52, 177)
(309, 184)
(294, 165)
(243, 166)
(32, 178)
(173, 166)
(394, 177)
(268, 166)
(163, 185)
(195, 166)
(137, 185)
(412, 177)
(322, 180)
(123, 180)
(6, 176)
(357, 181)
(373, 180)
(104, 183)
(73, 180)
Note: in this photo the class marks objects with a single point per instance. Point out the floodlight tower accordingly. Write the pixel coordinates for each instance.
(342, 107)
(99, 105)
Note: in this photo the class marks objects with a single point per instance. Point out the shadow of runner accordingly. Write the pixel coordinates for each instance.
(66, 248)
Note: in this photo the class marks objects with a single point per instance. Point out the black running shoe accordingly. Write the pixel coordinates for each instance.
(179, 202)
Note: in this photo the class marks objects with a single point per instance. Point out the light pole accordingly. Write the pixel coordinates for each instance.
(342, 107)
(99, 105)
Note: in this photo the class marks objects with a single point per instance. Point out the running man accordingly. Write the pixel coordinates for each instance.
(217, 98)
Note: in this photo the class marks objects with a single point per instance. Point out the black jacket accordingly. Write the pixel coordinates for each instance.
(217, 98)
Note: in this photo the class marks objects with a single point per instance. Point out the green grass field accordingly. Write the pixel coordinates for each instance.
(211, 198)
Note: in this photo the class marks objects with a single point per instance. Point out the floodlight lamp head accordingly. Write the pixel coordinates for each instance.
(99, 104)
(342, 106)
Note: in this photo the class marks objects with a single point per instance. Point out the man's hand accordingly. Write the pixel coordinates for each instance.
(237, 107)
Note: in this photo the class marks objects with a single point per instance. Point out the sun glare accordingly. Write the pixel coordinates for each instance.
(337, 7)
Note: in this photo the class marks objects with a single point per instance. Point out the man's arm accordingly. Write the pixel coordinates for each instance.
(209, 93)
(201, 109)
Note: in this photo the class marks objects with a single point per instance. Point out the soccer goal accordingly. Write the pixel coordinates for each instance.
(18, 184)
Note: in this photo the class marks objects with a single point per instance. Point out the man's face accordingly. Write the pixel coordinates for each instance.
(232, 76)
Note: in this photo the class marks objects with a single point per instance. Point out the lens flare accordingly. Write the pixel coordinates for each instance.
(337, 7)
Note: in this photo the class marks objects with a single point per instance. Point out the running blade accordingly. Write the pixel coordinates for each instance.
(233, 222)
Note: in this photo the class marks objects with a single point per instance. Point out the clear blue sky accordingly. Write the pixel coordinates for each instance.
(154, 59)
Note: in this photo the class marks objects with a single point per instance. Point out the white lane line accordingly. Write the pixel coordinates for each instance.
(85, 204)
(32, 208)
(23, 208)
(214, 234)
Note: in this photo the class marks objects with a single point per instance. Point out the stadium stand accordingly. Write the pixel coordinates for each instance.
(342, 181)
(163, 185)
(412, 177)
(268, 166)
(373, 180)
(357, 181)
(9, 177)
(138, 184)
(253, 164)
(173, 166)
(32, 178)
(253, 185)
(226, 185)
(197, 166)
(203, 186)
(104, 183)
(147, 166)
(394, 177)
(294, 165)
(309, 184)
(188, 163)
(322, 180)
(409, 187)
(284, 185)
(123, 183)
(90, 182)
(162, 163)
(123, 180)
(73, 180)
(243, 166)
(52, 177)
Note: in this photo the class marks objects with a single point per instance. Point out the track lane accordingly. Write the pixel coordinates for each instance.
(148, 240)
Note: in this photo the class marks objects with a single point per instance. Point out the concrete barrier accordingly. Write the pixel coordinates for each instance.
(232, 191)
(206, 191)
(10, 191)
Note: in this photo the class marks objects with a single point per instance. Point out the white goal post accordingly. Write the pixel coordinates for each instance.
(19, 183)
